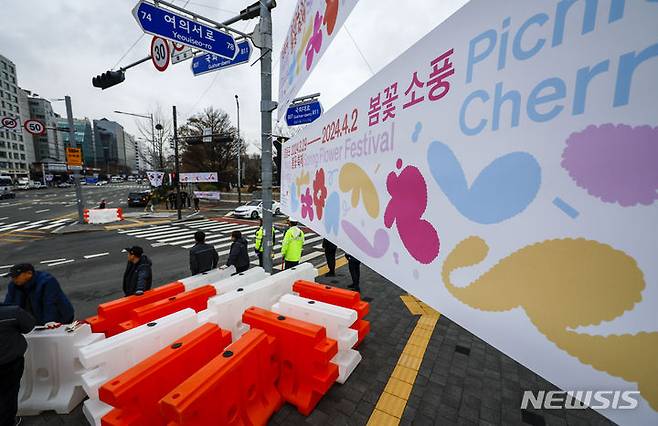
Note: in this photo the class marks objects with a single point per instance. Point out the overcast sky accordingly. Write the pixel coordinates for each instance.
(59, 45)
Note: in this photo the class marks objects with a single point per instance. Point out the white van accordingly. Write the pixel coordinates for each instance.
(115, 179)
(6, 184)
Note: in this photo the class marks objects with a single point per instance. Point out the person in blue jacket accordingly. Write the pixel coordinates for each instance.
(39, 294)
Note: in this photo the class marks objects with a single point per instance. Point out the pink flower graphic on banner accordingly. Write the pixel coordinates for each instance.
(307, 205)
(315, 41)
(408, 203)
(319, 192)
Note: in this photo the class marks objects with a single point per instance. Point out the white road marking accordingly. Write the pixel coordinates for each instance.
(143, 229)
(32, 225)
(172, 236)
(53, 260)
(158, 244)
(13, 225)
(58, 223)
(3, 218)
(91, 256)
(61, 263)
(42, 211)
(23, 208)
(6, 266)
(57, 229)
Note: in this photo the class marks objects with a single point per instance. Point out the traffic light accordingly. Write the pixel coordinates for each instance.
(108, 79)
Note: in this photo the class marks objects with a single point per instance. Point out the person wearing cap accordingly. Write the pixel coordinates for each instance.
(138, 276)
(203, 257)
(238, 255)
(291, 248)
(14, 322)
(40, 294)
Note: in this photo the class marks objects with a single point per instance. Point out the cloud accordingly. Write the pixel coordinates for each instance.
(58, 46)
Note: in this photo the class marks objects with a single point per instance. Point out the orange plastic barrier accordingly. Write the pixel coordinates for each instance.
(235, 388)
(135, 394)
(196, 299)
(110, 314)
(339, 297)
(304, 353)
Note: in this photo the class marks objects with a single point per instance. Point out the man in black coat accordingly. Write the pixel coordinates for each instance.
(238, 256)
(330, 255)
(203, 257)
(14, 322)
(138, 276)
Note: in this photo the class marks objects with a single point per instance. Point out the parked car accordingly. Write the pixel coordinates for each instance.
(139, 199)
(101, 183)
(131, 178)
(254, 209)
(6, 184)
(40, 185)
(64, 185)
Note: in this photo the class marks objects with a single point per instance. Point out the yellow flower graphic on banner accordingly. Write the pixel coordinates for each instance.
(564, 284)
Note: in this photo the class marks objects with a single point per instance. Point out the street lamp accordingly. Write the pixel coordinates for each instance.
(237, 104)
(153, 127)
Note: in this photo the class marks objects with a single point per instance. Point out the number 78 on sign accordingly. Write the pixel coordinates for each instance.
(180, 29)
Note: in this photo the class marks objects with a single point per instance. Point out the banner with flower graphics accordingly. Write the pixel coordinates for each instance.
(314, 25)
(504, 170)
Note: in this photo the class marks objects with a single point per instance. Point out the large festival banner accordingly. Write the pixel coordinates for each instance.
(504, 170)
(314, 25)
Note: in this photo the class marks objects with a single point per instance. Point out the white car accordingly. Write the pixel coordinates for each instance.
(254, 209)
(101, 183)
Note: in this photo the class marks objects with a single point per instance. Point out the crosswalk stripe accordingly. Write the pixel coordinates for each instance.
(183, 236)
(154, 232)
(216, 227)
(13, 225)
(145, 228)
(32, 225)
(162, 235)
(57, 223)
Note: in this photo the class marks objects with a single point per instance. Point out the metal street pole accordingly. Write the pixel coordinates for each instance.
(177, 165)
(76, 173)
(152, 135)
(237, 104)
(266, 108)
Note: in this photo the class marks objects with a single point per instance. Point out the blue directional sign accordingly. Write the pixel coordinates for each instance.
(182, 30)
(207, 63)
(303, 113)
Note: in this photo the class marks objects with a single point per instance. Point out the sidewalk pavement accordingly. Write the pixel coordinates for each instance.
(418, 368)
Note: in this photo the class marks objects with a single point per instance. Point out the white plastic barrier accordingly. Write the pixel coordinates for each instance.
(211, 277)
(103, 215)
(226, 309)
(242, 279)
(52, 377)
(106, 359)
(335, 319)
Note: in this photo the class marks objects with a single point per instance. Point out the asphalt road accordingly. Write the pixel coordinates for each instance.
(54, 203)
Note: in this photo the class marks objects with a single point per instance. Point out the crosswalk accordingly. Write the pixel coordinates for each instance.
(15, 232)
(218, 233)
(23, 225)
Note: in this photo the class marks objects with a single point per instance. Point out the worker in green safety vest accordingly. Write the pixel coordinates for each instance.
(258, 242)
(291, 248)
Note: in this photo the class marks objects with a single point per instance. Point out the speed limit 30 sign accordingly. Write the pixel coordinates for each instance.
(35, 127)
(160, 53)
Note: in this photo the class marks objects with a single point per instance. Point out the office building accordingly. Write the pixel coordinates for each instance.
(15, 156)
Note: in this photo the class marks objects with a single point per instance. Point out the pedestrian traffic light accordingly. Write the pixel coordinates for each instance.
(108, 79)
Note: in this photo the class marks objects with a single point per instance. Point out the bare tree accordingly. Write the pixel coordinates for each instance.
(220, 155)
(158, 139)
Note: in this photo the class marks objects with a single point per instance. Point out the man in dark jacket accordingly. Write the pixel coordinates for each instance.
(203, 257)
(39, 294)
(138, 276)
(238, 256)
(354, 265)
(330, 255)
(14, 322)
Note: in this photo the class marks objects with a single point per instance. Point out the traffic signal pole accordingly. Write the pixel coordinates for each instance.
(177, 163)
(266, 108)
(76, 173)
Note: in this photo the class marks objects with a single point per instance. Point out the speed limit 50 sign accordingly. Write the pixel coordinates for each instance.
(160, 53)
(35, 127)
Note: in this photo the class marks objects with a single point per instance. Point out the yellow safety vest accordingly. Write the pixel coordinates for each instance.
(293, 242)
(258, 241)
